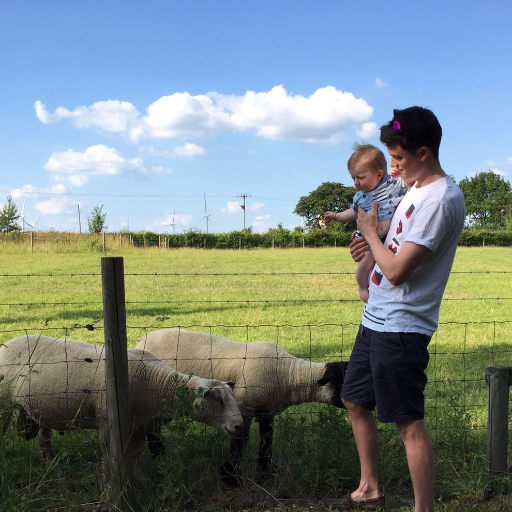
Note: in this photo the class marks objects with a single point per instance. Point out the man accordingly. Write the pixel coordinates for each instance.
(389, 358)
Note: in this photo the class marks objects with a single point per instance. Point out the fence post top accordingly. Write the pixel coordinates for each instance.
(501, 372)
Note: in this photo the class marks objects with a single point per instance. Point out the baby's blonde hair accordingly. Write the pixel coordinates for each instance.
(368, 155)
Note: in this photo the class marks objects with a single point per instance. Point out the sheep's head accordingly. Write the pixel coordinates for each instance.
(218, 408)
(333, 377)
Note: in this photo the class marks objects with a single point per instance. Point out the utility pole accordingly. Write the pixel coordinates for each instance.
(244, 196)
(79, 221)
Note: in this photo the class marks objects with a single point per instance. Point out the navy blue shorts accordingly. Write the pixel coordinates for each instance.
(387, 370)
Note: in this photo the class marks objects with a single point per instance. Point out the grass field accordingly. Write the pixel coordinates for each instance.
(306, 300)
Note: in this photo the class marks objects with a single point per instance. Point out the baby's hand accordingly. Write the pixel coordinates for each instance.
(393, 172)
(329, 216)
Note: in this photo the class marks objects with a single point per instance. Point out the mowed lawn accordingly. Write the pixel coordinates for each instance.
(246, 294)
(304, 299)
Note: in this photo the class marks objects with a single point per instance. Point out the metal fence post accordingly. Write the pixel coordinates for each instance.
(498, 379)
(116, 376)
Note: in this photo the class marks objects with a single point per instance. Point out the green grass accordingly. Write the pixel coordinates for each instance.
(305, 299)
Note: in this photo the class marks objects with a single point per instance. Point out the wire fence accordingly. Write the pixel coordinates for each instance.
(312, 441)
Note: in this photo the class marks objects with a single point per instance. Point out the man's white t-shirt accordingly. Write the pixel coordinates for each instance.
(432, 216)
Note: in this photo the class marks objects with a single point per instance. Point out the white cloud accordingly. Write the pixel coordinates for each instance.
(181, 221)
(181, 114)
(52, 206)
(236, 207)
(232, 207)
(151, 150)
(75, 180)
(254, 207)
(509, 160)
(189, 150)
(380, 83)
(98, 160)
(323, 117)
(111, 115)
(262, 223)
(367, 130)
(31, 191)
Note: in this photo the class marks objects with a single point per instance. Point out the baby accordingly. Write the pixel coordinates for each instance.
(367, 166)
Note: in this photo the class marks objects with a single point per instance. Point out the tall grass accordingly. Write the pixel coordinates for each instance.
(306, 300)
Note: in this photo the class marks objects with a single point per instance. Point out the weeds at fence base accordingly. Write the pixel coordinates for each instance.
(314, 453)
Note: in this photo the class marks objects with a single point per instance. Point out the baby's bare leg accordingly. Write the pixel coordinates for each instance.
(363, 269)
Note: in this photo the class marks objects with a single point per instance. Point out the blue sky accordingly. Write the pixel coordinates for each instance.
(145, 107)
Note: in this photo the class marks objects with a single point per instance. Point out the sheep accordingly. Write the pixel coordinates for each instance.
(59, 384)
(268, 381)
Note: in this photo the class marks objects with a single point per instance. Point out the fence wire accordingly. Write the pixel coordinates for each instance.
(310, 438)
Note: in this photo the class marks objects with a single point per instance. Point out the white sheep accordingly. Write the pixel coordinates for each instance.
(59, 384)
(268, 381)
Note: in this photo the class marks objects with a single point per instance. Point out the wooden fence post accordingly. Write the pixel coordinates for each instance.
(498, 379)
(116, 376)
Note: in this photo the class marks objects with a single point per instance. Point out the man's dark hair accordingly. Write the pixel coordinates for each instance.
(413, 128)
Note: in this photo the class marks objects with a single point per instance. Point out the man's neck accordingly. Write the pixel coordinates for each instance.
(431, 173)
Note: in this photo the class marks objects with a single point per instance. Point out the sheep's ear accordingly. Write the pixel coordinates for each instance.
(203, 391)
(231, 384)
(334, 372)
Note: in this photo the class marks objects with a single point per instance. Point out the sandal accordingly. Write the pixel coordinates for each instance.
(347, 503)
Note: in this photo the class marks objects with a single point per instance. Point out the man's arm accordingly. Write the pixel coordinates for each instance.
(397, 268)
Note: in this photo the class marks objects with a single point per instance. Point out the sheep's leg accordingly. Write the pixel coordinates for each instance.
(230, 468)
(266, 438)
(26, 426)
(155, 444)
(44, 437)
(138, 467)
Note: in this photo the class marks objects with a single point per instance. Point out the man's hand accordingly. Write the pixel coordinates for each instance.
(358, 248)
(367, 224)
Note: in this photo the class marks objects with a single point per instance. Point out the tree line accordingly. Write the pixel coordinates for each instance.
(488, 203)
(487, 197)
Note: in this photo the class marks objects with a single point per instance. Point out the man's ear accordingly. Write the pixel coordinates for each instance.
(423, 153)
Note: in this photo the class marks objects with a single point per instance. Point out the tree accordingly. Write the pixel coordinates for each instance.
(96, 221)
(328, 196)
(488, 200)
(8, 216)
